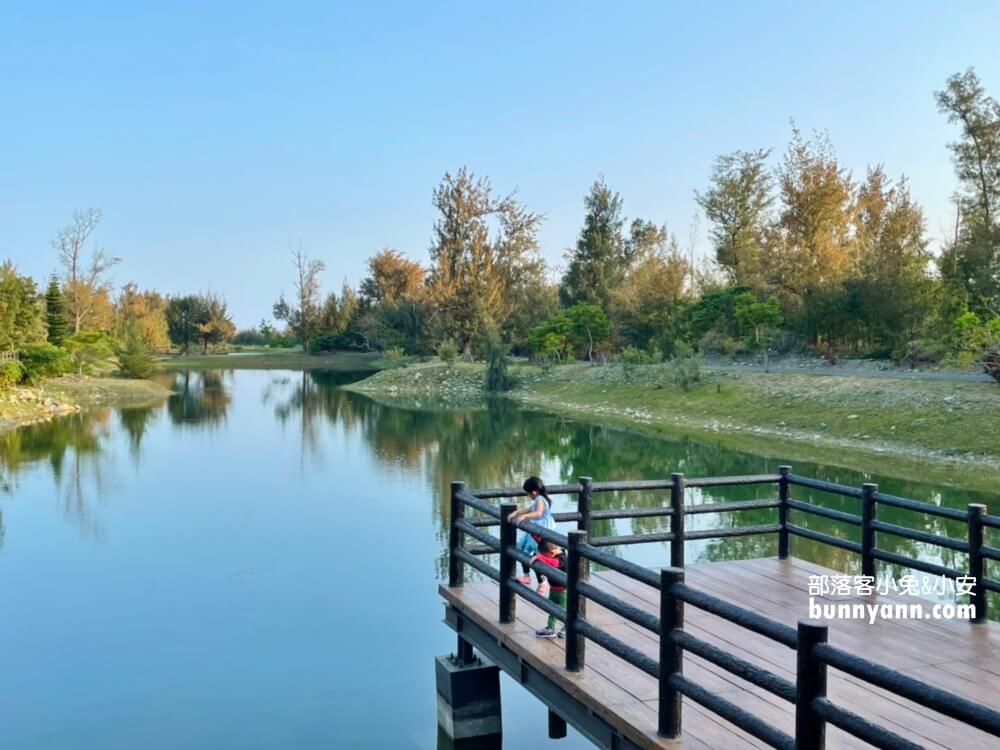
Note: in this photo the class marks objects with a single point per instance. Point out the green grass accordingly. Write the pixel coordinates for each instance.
(253, 358)
(941, 431)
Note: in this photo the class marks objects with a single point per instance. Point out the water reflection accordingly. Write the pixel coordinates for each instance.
(494, 444)
(201, 399)
(71, 448)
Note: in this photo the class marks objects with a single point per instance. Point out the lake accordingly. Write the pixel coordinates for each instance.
(254, 563)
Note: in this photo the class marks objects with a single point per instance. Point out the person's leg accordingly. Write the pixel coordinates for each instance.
(529, 546)
(556, 597)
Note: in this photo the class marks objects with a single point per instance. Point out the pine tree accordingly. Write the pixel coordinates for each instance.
(55, 313)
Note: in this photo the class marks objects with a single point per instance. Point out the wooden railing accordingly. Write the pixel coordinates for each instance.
(814, 656)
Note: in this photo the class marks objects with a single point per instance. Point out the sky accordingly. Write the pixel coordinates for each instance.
(214, 136)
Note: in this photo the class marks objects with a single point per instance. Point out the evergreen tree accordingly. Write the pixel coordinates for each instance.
(135, 360)
(598, 263)
(55, 313)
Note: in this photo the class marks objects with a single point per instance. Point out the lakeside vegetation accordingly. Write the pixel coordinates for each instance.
(276, 359)
(946, 430)
(806, 259)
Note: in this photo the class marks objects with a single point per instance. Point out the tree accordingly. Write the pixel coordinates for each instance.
(588, 327)
(757, 318)
(303, 316)
(55, 313)
(85, 286)
(214, 324)
(647, 306)
(20, 310)
(892, 288)
(184, 315)
(88, 350)
(478, 276)
(135, 359)
(598, 263)
(737, 203)
(391, 277)
(973, 261)
(811, 250)
(143, 313)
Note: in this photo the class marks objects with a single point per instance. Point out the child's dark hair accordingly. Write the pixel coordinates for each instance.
(547, 546)
(535, 484)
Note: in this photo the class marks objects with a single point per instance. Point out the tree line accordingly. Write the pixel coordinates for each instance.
(805, 257)
(82, 323)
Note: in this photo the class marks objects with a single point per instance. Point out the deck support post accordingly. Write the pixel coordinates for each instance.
(456, 570)
(583, 505)
(577, 569)
(557, 726)
(869, 513)
(810, 683)
(677, 520)
(671, 655)
(784, 471)
(977, 566)
(508, 565)
(468, 698)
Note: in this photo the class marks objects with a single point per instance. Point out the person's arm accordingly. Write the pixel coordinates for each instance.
(536, 512)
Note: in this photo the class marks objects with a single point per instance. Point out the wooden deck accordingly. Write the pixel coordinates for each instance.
(955, 656)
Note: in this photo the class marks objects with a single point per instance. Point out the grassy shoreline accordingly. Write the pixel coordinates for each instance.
(275, 359)
(70, 394)
(941, 431)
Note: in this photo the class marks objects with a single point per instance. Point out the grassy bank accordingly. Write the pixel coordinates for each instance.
(941, 431)
(275, 359)
(67, 395)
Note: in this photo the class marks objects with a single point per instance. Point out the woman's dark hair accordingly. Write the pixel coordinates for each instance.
(535, 484)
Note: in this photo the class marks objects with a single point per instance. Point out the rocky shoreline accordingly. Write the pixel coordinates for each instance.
(27, 405)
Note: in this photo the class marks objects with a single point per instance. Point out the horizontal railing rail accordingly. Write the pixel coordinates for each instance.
(813, 710)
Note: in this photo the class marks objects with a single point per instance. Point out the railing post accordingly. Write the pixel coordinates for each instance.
(583, 505)
(869, 512)
(456, 570)
(677, 520)
(577, 569)
(977, 567)
(671, 655)
(784, 471)
(810, 683)
(508, 565)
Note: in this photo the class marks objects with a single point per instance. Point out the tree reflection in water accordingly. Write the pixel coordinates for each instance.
(71, 446)
(495, 443)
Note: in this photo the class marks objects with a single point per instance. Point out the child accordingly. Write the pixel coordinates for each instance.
(552, 555)
(540, 512)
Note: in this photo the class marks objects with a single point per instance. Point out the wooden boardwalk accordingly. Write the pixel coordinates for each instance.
(953, 655)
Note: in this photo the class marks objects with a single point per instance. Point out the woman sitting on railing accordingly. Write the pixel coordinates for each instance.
(540, 512)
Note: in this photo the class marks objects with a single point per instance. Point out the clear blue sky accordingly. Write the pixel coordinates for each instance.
(213, 134)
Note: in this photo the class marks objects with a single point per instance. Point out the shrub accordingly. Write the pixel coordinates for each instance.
(324, 342)
(921, 351)
(11, 372)
(250, 337)
(685, 372)
(395, 357)
(448, 351)
(497, 377)
(41, 361)
(135, 360)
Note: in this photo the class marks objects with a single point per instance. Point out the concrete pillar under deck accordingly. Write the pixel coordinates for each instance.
(468, 700)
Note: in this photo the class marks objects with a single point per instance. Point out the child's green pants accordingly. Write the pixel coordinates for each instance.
(556, 597)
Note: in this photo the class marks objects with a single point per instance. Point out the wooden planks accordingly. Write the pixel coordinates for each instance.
(952, 655)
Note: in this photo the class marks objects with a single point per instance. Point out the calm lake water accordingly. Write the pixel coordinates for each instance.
(254, 564)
